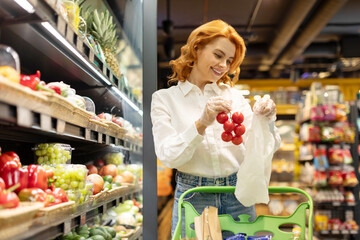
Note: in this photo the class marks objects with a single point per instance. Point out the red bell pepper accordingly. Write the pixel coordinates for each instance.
(13, 176)
(10, 159)
(9, 199)
(36, 195)
(33, 82)
(37, 177)
(2, 184)
(56, 89)
(59, 193)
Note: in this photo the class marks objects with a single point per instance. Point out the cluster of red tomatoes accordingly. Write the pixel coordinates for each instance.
(232, 124)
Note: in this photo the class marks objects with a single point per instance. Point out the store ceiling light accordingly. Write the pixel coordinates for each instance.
(123, 96)
(56, 34)
(25, 5)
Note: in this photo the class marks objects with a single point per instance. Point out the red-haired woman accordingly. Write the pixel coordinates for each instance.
(186, 135)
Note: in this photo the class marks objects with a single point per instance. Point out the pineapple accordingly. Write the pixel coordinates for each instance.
(102, 28)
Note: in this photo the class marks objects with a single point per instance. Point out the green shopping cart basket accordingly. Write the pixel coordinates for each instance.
(263, 223)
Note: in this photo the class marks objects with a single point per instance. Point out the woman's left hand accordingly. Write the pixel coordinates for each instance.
(266, 107)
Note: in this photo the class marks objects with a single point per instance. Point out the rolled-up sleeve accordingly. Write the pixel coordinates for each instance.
(173, 148)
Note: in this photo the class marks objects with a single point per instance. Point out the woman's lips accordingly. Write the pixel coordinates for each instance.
(218, 73)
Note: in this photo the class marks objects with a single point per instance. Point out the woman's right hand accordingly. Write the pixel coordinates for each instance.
(214, 106)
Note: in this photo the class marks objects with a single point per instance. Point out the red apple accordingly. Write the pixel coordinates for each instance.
(92, 169)
(99, 163)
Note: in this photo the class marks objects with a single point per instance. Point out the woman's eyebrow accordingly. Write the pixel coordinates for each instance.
(223, 53)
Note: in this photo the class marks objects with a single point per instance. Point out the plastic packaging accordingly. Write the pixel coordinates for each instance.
(53, 153)
(239, 236)
(70, 176)
(254, 173)
(9, 57)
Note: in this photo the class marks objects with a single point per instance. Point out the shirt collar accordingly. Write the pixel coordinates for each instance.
(187, 86)
(217, 88)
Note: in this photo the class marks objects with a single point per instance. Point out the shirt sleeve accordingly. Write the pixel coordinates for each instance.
(173, 148)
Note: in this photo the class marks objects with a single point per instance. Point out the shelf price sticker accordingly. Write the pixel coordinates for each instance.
(336, 203)
(67, 226)
(345, 232)
(83, 219)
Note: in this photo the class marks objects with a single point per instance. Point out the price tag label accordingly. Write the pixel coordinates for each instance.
(82, 219)
(336, 203)
(353, 232)
(335, 232)
(324, 232)
(67, 226)
(345, 232)
(104, 208)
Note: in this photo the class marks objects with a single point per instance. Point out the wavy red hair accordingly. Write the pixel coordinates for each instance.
(198, 39)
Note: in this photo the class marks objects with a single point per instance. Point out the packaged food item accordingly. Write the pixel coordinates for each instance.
(320, 158)
(335, 177)
(329, 112)
(336, 155)
(70, 176)
(52, 153)
(321, 222)
(238, 236)
(9, 64)
(317, 113)
(266, 237)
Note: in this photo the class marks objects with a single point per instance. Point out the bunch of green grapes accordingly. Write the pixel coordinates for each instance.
(116, 158)
(70, 176)
(80, 196)
(52, 153)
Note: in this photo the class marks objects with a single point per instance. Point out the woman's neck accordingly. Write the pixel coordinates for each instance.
(196, 80)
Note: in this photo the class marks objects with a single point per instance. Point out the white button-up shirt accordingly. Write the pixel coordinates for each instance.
(178, 144)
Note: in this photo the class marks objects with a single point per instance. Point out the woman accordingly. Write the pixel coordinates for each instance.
(186, 135)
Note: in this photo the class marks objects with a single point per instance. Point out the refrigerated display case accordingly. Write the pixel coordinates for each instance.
(46, 36)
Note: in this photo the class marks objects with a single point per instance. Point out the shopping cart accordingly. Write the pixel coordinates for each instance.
(263, 223)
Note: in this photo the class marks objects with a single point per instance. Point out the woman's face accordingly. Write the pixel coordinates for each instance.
(214, 59)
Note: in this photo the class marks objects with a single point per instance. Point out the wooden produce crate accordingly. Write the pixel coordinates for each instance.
(65, 110)
(115, 130)
(118, 191)
(20, 96)
(48, 214)
(17, 220)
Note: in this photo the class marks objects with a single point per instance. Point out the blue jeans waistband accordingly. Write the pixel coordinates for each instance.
(206, 181)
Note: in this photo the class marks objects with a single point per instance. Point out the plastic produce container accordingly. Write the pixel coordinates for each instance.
(52, 153)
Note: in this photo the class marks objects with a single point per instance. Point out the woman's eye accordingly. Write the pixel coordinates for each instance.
(217, 55)
(228, 62)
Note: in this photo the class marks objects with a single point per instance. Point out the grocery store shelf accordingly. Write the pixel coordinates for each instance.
(336, 204)
(339, 232)
(286, 109)
(49, 228)
(30, 124)
(62, 55)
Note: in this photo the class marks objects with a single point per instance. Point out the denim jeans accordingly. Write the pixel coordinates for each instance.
(225, 202)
